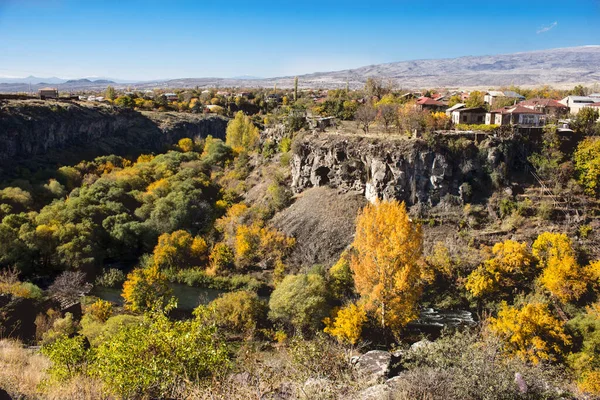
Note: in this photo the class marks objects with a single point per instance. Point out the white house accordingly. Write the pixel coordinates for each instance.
(515, 115)
(576, 103)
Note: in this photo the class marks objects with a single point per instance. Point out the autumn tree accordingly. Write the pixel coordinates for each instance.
(145, 288)
(562, 275)
(387, 261)
(241, 133)
(510, 266)
(186, 144)
(347, 324)
(587, 165)
(475, 99)
(180, 250)
(531, 332)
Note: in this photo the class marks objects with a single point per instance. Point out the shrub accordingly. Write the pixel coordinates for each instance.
(238, 312)
(300, 301)
(97, 331)
(112, 278)
(68, 356)
(61, 327)
(153, 358)
(466, 365)
(100, 310)
(285, 144)
(545, 210)
(346, 325)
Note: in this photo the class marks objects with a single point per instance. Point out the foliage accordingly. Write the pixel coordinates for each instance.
(531, 332)
(216, 152)
(10, 284)
(586, 121)
(241, 133)
(145, 288)
(239, 312)
(178, 250)
(347, 323)
(68, 356)
(475, 99)
(111, 277)
(562, 275)
(186, 144)
(509, 267)
(476, 127)
(153, 358)
(300, 301)
(61, 327)
(469, 365)
(100, 310)
(341, 280)
(587, 165)
(97, 331)
(365, 116)
(585, 329)
(387, 263)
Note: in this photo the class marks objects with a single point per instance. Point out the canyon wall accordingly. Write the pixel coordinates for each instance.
(410, 170)
(53, 130)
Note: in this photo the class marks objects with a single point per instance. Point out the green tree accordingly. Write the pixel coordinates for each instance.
(300, 301)
(145, 288)
(475, 99)
(110, 93)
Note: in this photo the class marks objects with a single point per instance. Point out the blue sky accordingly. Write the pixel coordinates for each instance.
(135, 39)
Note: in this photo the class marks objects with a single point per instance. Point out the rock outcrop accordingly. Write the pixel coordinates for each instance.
(52, 131)
(409, 170)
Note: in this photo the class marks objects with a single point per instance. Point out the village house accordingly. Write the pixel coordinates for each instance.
(455, 107)
(576, 103)
(171, 96)
(547, 106)
(425, 103)
(491, 96)
(48, 93)
(515, 115)
(474, 115)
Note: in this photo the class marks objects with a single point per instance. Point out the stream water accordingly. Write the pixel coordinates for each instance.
(188, 297)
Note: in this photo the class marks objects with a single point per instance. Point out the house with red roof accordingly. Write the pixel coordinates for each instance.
(516, 115)
(428, 104)
(547, 106)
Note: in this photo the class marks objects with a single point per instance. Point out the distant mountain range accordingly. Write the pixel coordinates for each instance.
(557, 67)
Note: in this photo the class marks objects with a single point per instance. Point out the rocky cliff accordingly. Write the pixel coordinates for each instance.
(410, 170)
(49, 130)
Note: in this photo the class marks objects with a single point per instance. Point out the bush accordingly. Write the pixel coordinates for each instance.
(68, 356)
(300, 301)
(466, 365)
(545, 210)
(476, 127)
(100, 310)
(153, 359)
(97, 331)
(61, 327)
(238, 312)
(112, 278)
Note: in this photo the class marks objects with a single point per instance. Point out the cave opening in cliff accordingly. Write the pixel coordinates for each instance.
(323, 174)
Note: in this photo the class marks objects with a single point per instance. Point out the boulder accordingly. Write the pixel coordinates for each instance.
(377, 392)
(375, 364)
(420, 344)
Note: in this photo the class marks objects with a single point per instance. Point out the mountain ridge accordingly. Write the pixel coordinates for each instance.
(565, 66)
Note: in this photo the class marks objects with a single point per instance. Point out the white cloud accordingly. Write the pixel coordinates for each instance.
(547, 28)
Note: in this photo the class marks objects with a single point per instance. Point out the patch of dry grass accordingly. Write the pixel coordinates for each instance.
(21, 370)
(23, 374)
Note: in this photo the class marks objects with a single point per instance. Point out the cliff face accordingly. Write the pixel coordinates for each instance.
(48, 129)
(403, 169)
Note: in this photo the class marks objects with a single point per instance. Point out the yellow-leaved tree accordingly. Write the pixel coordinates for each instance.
(387, 263)
(242, 134)
(562, 275)
(511, 263)
(145, 288)
(180, 250)
(346, 326)
(531, 332)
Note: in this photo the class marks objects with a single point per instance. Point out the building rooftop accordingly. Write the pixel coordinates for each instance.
(542, 103)
(515, 110)
(429, 102)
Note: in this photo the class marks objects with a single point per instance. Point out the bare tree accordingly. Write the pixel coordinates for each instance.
(365, 116)
(68, 288)
(388, 114)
